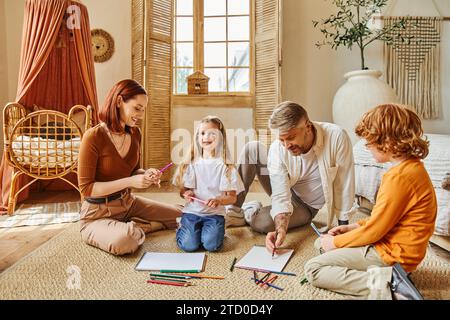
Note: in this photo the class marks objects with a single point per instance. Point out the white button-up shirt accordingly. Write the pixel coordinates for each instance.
(334, 153)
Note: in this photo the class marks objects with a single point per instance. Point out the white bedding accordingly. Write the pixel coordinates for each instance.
(368, 176)
(45, 153)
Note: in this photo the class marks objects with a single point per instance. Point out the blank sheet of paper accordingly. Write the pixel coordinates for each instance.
(259, 258)
(171, 261)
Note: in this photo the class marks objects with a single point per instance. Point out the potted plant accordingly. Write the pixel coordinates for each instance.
(349, 27)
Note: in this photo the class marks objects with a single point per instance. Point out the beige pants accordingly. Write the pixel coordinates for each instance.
(109, 227)
(359, 272)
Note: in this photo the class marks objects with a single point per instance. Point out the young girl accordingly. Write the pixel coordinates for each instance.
(401, 222)
(208, 184)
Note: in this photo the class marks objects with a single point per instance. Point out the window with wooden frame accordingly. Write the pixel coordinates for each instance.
(216, 38)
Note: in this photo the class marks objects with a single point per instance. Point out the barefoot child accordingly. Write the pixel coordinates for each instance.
(208, 184)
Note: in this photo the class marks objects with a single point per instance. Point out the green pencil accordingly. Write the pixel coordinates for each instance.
(168, 279)
(169, 276)
(179, 271)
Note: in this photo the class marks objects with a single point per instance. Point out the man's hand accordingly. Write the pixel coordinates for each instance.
(342, 229)
(327, 242)
(272, 242)
(213, 203)
(281, 226)
(188, 194)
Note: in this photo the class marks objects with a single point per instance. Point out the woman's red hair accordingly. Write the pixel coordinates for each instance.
(109, 113)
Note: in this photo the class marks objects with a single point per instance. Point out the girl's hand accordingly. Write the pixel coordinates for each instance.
(188, 194)
(140, 181)
(213, 203)
(327, 242)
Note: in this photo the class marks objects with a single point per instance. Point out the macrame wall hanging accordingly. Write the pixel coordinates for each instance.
(413, 66)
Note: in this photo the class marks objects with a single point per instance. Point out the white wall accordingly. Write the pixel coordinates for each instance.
(311, 76)
(113, 16)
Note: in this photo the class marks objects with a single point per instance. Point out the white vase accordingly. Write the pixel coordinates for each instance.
(362, 91)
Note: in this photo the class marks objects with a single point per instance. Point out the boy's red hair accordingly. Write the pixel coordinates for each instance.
(394, 128)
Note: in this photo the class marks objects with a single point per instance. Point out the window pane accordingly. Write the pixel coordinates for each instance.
(215, 7)
(238, 7)
(215, 54)
(215, 29)
(238, 28)
(239, 80)
(239, 54)
(185, 8)
(181, 81)
(185, 54)
(217, 79)
(185, 29)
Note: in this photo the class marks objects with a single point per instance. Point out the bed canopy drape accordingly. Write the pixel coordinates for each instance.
(56, 66)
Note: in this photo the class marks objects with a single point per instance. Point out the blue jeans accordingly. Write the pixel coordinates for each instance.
(194, 231)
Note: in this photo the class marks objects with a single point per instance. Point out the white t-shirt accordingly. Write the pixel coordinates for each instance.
(309, 185)
(208, 179)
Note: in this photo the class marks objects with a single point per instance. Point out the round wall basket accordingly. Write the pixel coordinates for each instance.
(102, 45)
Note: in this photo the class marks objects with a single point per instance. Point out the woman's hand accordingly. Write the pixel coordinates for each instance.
(154, 175)
(188, 194)
(213, 203)
(342, 229)
(140, 181)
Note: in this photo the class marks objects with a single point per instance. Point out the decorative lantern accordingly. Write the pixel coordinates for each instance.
(198, 83)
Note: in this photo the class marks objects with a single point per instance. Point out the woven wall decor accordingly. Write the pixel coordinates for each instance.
(413, 67)
(102, 45)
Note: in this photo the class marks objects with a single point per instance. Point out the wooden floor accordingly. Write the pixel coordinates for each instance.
(16, 243)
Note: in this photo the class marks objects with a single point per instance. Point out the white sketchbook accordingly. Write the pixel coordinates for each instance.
(152, 261)
(258, 258)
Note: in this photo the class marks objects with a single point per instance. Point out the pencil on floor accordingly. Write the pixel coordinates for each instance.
(232, 264)
(271, 280)
(270, 285)
(263, 280)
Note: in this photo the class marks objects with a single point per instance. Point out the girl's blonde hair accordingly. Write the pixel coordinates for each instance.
(197, 150)
(394, 128)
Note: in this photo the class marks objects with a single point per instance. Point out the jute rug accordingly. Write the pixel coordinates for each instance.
(43, 213)
(66, 268)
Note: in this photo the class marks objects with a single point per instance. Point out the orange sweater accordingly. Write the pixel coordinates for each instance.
(403, 218)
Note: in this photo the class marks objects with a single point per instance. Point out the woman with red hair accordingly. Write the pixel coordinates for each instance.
(108, 166)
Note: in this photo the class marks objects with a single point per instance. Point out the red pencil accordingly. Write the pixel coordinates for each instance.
(178, 284)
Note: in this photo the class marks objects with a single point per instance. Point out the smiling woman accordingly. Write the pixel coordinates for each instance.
(109, 165)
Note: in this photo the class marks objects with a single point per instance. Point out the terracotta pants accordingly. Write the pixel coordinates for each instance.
(108, 226)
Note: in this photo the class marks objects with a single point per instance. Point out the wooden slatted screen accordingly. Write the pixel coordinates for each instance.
(152, 56)
(268, 60)
(138, 41)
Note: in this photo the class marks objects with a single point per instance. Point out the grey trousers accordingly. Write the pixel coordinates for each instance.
(253, 162)
(358, 272)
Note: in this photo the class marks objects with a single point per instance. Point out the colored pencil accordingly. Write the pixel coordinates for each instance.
(168, 279)
(274, 244)
(177, 284)
(204, 277)
(315, 229)
(232, 264)
(199, 200)
(269, 284)
(169, 276)
(271, 280)
(264, 279)
(266, 271)
(179, 271)
(166, 167)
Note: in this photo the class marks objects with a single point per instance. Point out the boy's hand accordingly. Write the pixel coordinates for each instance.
(188, 194)
(342, 229)
(213, 203)
(327, 242)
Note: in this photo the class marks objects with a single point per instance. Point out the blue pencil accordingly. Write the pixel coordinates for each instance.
(315, 229)
(269, 284)
(267, 271)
